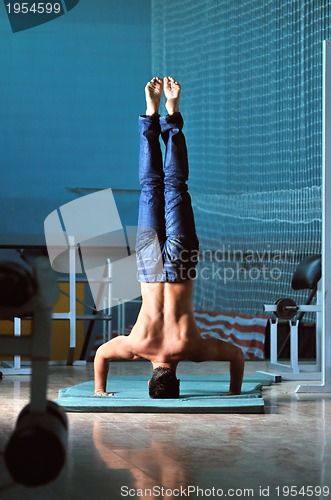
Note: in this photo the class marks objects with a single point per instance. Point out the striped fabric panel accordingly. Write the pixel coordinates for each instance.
(246, 332)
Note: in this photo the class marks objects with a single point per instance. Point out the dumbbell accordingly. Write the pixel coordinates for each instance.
(17, 285)
(36, 451)
(286, 308)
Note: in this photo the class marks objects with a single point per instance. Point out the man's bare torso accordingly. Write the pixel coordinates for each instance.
(165, 330)
(165, 334)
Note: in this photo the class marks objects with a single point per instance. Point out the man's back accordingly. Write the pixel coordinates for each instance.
(165, 330)
(165, 334)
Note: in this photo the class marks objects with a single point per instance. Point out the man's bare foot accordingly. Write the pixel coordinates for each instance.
(153, 93)
(172, 92)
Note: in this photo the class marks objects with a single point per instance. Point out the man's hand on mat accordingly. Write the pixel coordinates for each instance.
(99, 392)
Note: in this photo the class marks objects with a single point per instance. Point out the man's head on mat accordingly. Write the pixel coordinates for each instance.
(163, 384)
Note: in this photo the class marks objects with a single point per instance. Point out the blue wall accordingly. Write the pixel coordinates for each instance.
(70, 93)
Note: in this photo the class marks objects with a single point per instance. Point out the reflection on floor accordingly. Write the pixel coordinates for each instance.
(172, 455)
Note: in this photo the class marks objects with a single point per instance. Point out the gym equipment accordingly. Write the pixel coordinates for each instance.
(307, 275)
(323, 313)
(36, 451)
(16, 285)
(27, 245)
(286, 308)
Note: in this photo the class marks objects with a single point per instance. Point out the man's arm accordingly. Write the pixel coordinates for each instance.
(116, 348)
(218, 350)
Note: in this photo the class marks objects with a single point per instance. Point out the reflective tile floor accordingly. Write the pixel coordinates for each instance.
(283, 453)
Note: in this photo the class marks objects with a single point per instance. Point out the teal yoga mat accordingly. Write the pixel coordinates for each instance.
(199, 394)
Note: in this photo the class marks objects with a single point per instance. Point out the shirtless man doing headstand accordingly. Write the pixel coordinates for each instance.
(165, 332)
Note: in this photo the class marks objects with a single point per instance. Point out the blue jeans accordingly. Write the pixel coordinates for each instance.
(167, 246)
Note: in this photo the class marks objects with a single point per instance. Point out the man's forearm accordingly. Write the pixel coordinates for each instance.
(236, 373)
(101, 368)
